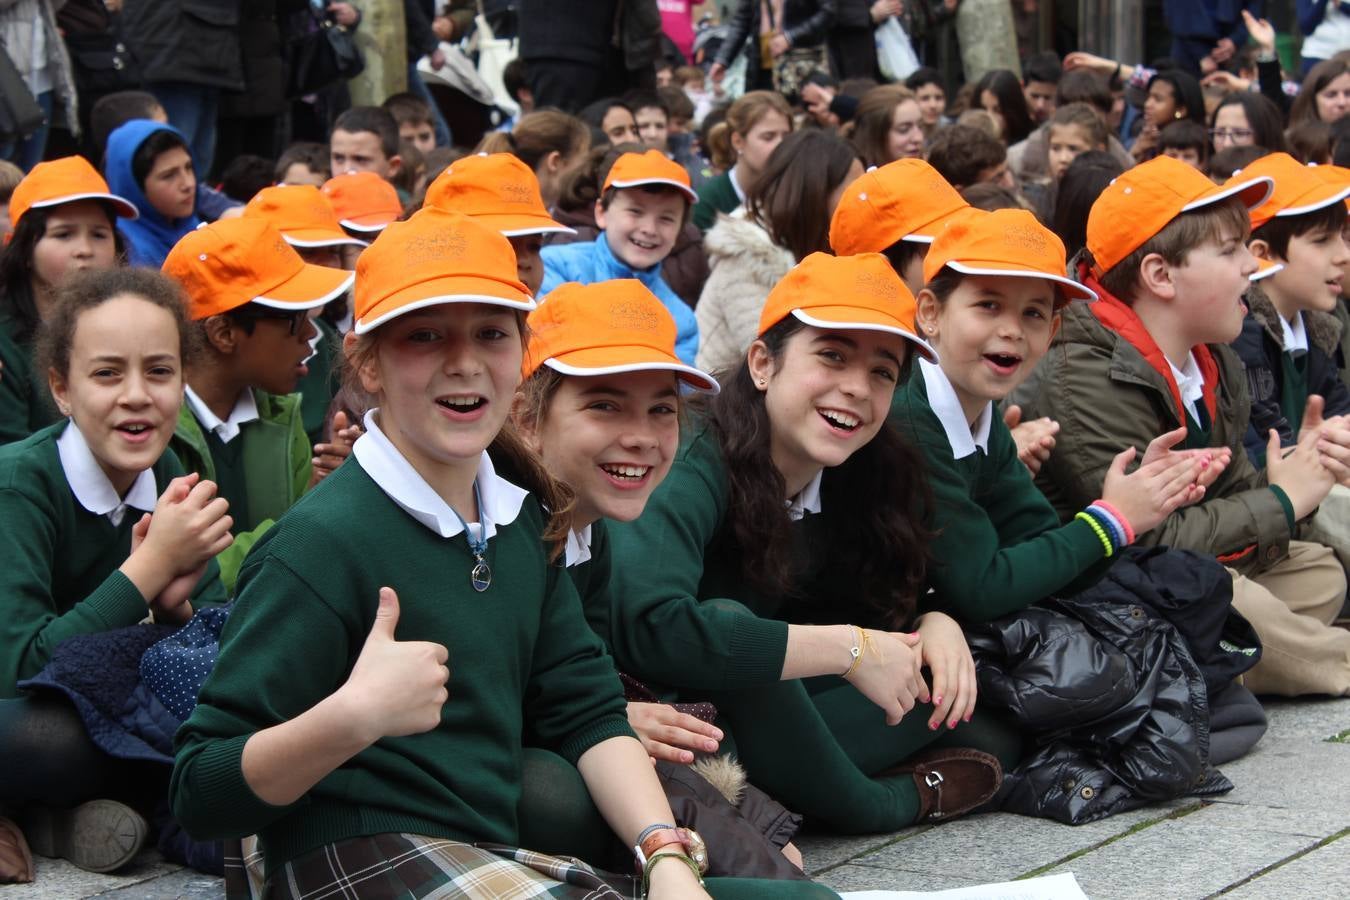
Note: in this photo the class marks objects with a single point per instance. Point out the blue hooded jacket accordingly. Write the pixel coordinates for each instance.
(592, 261)
(150, 237)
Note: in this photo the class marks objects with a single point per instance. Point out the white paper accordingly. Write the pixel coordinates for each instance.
(1047, 887)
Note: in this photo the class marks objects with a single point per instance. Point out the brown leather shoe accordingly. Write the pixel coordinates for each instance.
(16, 862)
(952, 782)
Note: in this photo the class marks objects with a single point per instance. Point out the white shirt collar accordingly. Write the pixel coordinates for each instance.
(964, 439)
(245, 411)
(1190, 383)
(1295, 333)
(90, 484)
(501, 500)
(736, 185)
(807, 500)
(578, 546)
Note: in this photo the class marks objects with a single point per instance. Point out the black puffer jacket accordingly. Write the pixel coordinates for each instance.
(190, 41)
(1110, 689)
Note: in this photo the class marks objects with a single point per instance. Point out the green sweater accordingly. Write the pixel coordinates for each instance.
(524, 669)
(59, 562)
(1000, 546)
(716, 196)
(275, 456)
(674, 568)
(25, 401)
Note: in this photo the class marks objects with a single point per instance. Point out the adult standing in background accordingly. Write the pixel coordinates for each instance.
(257, 120)
(1207, 28)
(189, 52)
(791, 35)
(28, 33)
(576, 53)
(853, 46)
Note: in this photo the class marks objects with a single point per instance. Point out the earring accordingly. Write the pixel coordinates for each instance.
(762, 382)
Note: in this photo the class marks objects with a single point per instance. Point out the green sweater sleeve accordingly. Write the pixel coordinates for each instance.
(34, 622)
(1006, 550)
(574, 699)
(263, 676)
(662, 629)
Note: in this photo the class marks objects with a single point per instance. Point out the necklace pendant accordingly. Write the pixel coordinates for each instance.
(481, 576)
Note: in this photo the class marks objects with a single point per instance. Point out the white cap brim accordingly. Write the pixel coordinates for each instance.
(924, 347)
(709, 386)
(122, 203)
(668, 182)
(1081, 291)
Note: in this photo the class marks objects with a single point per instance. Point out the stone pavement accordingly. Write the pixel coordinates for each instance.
(1284, 832)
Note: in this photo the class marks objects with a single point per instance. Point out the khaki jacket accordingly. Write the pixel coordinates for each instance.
(1107, 397)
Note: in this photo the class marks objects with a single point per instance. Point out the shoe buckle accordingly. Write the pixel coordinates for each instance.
(933, 779)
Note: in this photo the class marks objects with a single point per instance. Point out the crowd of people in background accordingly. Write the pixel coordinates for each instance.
(498, 448)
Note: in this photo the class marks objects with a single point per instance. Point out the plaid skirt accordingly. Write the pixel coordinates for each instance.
(409, 865)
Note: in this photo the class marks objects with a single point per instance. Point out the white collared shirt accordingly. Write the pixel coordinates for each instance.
(736, 185)
(90, 484)
(1295, 334)
(245, 411)
(964, 439)
(500, 499)
(578, 547)
(1191, 384)
(807, 500)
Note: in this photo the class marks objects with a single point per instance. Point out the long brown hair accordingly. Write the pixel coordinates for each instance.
(537, 134)
(790, 198)
(872, 123)
(509, 450)
(878, 500)
(1318, 77)
(742, 116)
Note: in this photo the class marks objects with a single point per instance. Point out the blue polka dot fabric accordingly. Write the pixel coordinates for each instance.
(175, 668)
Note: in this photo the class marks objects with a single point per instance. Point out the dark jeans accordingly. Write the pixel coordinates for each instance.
(27, 152)
(192, 110)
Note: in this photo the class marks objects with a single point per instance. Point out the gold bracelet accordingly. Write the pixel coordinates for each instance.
(858, 651)
(681, 856)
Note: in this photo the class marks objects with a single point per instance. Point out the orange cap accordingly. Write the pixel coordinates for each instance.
(1335, 175)
(652, 167)
(229, 263)
(302, 214)
(1007, 242)
(363, 201)
(64, 180)
(905, 200)
(1299, 189)
(1264, 269)
(604, 328)
(433, 258)
(1139, 204)
(498, 190)
(845, 292)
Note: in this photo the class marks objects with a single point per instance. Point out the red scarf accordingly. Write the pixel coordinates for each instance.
(1123, 320)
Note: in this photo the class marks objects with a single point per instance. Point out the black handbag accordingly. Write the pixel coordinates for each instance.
(20, 114)
(322, 57)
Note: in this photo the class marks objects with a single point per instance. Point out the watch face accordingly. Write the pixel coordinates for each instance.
(698, 850)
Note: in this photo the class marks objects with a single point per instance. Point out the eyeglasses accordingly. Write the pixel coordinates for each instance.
(1231, 134)
(256, 311)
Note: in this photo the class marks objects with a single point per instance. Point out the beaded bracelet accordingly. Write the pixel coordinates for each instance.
(1099, 531)
(682, 857)
(1124, 522)
(1113, 528)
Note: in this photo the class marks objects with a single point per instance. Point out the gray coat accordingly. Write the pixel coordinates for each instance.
(29, 35)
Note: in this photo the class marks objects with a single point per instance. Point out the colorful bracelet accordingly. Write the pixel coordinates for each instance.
(683, 857)
(1124, 522)
(1113, 527)
(1099, 531)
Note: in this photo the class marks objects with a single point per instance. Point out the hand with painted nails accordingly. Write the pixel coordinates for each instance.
(666, 733)
(951, 668)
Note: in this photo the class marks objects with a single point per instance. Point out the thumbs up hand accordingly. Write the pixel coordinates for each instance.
(397, 687)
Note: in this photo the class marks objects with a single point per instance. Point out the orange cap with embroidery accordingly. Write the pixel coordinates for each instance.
(1140, 202)
(435, 257)
(302, 214)
(229, 263)
(1335, 175)
(64, 180)
(905, 200)
(363, 201)
(496, 189)
(605, 328)
(845, 292)
(1006, 242)
(1298, 190)
(652, 167)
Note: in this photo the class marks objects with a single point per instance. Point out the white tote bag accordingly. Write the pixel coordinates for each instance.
(895, 55)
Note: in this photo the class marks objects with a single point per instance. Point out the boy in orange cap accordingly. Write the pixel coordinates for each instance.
(503, 193)
(241, 424)
(643, 206)
(1170, 266)
(896, 210)
(1290, 337)
(307, 221)
(364, 202)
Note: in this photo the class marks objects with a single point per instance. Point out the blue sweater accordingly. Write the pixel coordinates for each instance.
(593, 261)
